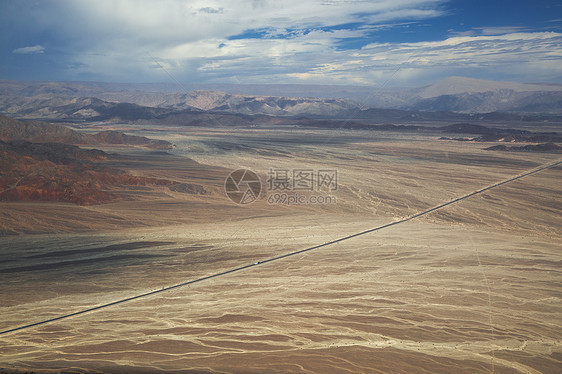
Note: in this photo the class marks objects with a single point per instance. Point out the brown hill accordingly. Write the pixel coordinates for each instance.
(543, 148)
(60, 172)
(66, 173)
(42, 132)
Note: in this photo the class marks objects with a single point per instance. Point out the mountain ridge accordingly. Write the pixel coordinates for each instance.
(99, 101)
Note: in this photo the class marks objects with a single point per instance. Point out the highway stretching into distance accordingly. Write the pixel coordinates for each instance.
(283, 256)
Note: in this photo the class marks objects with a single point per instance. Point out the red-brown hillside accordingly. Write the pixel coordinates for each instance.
(61, 172)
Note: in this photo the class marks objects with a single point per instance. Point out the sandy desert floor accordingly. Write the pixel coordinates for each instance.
(474, 287)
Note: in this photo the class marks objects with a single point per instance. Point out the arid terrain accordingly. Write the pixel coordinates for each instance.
(473, 287)
(280, 187)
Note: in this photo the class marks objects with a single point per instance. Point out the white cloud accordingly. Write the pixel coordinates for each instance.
(194, 37)
(313, 58)
(524, 56)
(500, 30)
(29, 50)
(193, 40)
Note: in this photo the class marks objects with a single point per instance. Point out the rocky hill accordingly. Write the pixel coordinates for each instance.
(60, 172)
(40, 161)
(66, 173)
(541, 148)
(37, 131)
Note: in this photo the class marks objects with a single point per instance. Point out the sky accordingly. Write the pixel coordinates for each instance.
(381, 43)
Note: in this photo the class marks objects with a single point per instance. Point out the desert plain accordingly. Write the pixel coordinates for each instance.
(473, 287)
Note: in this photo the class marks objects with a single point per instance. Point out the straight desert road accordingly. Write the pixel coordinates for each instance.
(284, 256)
(462, 276)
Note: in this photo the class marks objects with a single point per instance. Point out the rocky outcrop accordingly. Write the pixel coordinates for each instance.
(492, 134)
(66, 173)
(37, 131)
(542, 148)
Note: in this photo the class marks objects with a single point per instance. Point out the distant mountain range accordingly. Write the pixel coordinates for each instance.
(101, 101)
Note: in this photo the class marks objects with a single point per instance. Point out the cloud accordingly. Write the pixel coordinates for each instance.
(498, 30)
(502, 30)
(193, 39)
(29, 50)
(281, 41)
(523, 56)
(519, 56)
(210, 10)
(313, 57)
